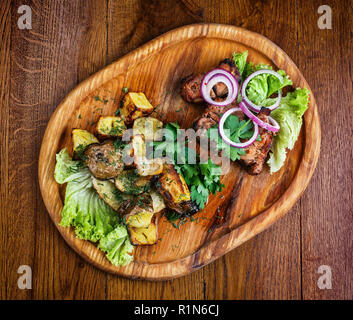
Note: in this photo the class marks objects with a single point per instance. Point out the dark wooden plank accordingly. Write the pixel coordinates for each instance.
(325, 57)
(5, 32)
(45, 66)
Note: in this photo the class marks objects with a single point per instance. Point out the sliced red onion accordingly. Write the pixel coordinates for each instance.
(252, 105)
(215, 76)
(274, 127)
(230, 142)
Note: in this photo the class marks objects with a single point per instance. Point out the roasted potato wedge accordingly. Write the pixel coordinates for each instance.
(175, 192)
(109, 127)
(141, 219)
(107, 191)
(157, 201)
(149, 167)
(149, 128)
(81, 139)
(129, 181)
(144, 236)
(145, 166)
(135, 105)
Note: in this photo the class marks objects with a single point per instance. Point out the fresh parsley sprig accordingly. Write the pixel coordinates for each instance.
(235, 130)
(202, 178)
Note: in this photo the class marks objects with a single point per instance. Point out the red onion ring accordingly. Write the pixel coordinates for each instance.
(274, 128)
(230, 142)
(252, 105)
(215, 76)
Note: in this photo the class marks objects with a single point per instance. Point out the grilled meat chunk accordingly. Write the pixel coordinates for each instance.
(220, 89)
(256, 154)
(175, 192)
(103, 160)
(190, 86)
(211, 116)
(229, 65)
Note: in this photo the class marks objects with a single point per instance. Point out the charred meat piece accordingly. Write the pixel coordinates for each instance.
(256, 154)
(103, 160)
(220, 89)
(175, 192)
(229, 65)
(211, 116)
(190, 86)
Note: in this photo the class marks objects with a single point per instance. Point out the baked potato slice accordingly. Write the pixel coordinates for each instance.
(81, 139)
(175, 192)
(149, 128)
(109, 127)
(157, 201)
(145, 166)
(144, 236)
(107, 191)
(129, 181)
(135, 105)
(141, 219)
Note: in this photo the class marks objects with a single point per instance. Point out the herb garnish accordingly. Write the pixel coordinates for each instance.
(202, 178)
(235, 130)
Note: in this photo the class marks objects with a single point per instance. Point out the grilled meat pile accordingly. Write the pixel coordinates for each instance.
(256, 153)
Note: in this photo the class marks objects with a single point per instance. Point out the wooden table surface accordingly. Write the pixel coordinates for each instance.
(71, 40)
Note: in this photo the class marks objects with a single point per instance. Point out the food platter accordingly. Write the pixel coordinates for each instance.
(248, 204)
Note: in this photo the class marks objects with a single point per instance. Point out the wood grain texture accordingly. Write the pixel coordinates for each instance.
(327, 212)
(245, 272)
(148, 70)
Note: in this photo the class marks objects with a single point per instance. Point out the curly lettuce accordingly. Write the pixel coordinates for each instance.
(91, 217)
(289, 116)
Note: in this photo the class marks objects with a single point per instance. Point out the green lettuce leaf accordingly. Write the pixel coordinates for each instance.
(239, 59)
(289, 116)
(83, 209)
(117, 245)
(263, 86)
(66, 169)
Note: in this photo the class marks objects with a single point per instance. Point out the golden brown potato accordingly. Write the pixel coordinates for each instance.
(104, 160)
(144, 236)
(141, 219)
(109, 127)
(81, 139)
(175, 192)
(157, 201)
(135, 105)
(149, 128)
(145, 166)
(107, 191)
(129, 181)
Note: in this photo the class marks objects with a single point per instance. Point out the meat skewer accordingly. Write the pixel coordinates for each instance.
(190, 86)
(256, 153)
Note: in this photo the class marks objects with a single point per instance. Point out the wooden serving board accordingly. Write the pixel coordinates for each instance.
(248, 204)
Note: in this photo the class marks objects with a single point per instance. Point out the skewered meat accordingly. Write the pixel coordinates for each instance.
(212, 115)
(190, 86)
(256, 154)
